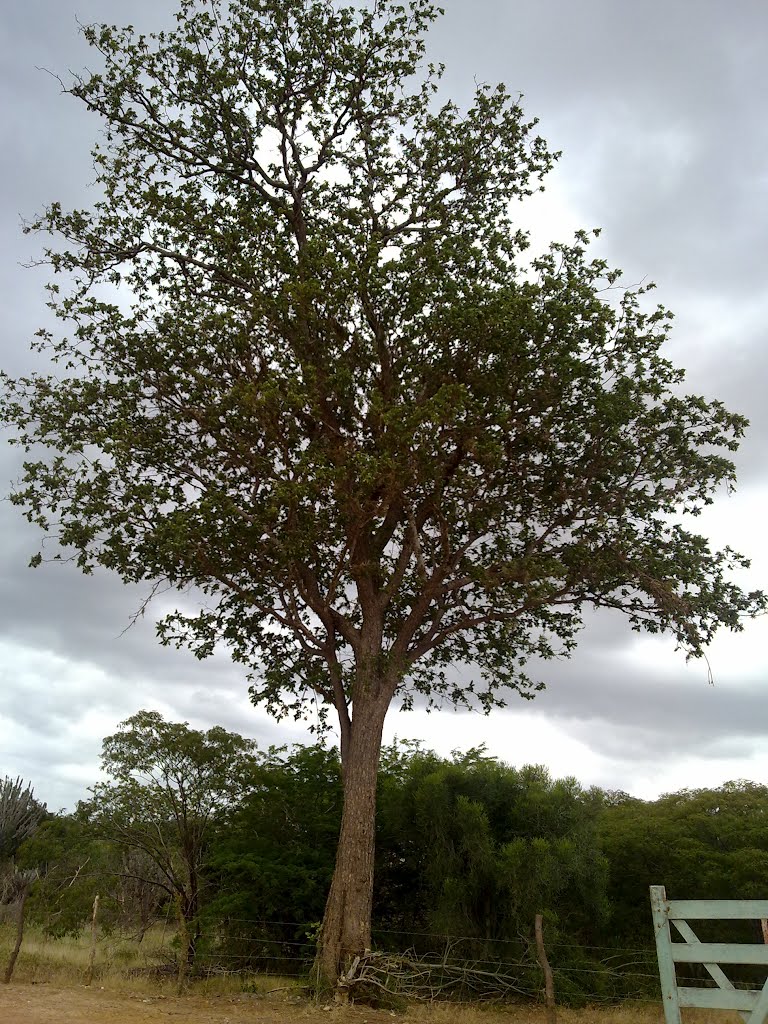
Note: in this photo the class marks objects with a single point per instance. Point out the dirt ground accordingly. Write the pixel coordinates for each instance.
(45, 1004)
(48, 1004)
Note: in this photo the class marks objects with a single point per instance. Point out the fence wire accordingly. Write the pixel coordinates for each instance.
(444, 965)
(456, 966)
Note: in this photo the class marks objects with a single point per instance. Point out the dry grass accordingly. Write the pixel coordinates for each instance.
(122, 965)
(64, 961)
(625, 1014)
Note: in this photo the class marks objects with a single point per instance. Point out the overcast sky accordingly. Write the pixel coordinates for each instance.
(659, 109)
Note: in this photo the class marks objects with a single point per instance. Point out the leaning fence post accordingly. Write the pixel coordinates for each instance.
(94, 934)
(667, 974)
(549, 985)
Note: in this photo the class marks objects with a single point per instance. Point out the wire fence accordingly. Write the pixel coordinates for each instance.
(431, 964)
(416, 962)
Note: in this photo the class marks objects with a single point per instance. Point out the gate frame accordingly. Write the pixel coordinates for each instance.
(752, 1004)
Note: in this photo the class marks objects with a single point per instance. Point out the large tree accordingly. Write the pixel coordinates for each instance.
(312, 374)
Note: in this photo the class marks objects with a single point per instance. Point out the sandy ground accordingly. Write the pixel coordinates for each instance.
(45, 1004)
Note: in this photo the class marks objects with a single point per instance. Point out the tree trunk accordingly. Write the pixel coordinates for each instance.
(195, 932)
(19, 934)
(192, 931)
(193, 907)
(346, 927)
(549, 986)
(184, 943)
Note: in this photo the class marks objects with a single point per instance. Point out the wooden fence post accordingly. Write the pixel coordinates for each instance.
(549, 985)
(94, 934)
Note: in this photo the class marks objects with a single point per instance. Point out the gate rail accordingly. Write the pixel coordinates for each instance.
(752, 1003)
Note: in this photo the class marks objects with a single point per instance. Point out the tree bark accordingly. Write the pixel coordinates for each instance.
(346, 927)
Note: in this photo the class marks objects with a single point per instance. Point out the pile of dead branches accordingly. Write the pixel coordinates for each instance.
(409, 976)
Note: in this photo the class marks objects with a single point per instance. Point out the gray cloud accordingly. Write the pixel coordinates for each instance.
(670, 710)
(628, 702)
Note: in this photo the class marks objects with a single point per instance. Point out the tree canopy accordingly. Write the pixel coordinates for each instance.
(312, 373)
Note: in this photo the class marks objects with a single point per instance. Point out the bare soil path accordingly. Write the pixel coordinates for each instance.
(45, 1004)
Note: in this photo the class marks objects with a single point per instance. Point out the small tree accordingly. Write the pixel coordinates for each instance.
(169, 787)
(271, 866)
(308, 376)
(74, 865)
(20, 815)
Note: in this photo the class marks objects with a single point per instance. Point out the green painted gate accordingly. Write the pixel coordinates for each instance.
(753, 1004)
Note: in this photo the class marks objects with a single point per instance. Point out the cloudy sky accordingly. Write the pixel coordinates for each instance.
(659, 109)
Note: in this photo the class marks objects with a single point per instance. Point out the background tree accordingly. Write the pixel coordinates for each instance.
(308, 375)
(74, 866)
(170, 787)
(703, 844)
(270, 868)
(473, 847)
(275, 859)
(20, 816)
(139, 894)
